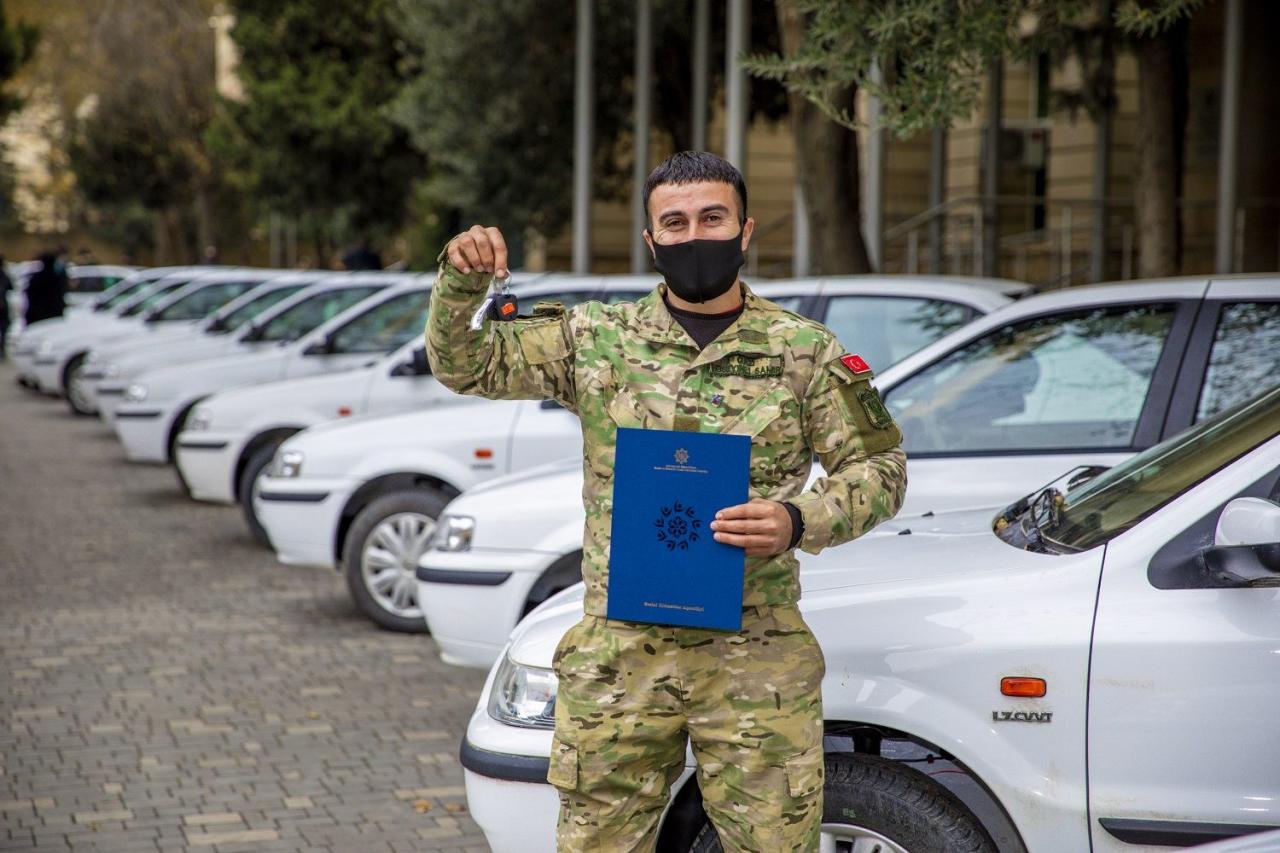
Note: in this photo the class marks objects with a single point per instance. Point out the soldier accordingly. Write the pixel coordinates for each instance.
(702, 353)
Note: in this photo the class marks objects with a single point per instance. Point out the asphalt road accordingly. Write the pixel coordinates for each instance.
(166, 685)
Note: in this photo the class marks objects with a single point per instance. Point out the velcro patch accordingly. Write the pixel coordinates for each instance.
(751, 336)
(749, 366)
(855, 363)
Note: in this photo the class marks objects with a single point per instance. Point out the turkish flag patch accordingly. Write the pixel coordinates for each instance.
(855, 363)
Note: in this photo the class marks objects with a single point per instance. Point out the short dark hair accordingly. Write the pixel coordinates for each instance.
(690, 167)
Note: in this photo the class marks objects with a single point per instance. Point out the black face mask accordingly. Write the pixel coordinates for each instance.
(700, 270)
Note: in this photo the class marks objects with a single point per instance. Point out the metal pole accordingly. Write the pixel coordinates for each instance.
(644, 99)
(583, 127)
(937, 191)
(1229, 134)
(801, 258)
(701, 52)
(991, 178)
(735, 126)
(1067, 238)
(1101, 168)
(873, 185)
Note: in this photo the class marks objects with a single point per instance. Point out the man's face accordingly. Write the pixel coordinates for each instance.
(706, 210)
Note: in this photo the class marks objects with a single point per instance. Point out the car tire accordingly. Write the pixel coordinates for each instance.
(71, 390)
(380, 557)
(888, 808)
(258, 461)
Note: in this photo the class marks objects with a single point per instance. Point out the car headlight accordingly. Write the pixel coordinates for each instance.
(524, 696)
(286, 463)
(135, 393)
(200, 419)
(45, 349)
(454, 533)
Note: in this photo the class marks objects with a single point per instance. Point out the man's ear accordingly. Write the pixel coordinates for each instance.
(648, 238)
(748, 228)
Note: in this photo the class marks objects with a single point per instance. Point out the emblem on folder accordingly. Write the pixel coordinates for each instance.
(682, 456)
(677, 526)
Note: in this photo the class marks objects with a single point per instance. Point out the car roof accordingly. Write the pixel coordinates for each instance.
(983, 294)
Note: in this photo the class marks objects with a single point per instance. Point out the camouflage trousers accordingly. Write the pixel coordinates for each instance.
(749, 703)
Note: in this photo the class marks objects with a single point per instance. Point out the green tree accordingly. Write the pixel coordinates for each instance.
(140, 139)
(17, 45)
(314, 138)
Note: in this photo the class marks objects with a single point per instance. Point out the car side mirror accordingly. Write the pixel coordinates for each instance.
(321, 347)
(417, 365)
(552, 404)
(1246, 543)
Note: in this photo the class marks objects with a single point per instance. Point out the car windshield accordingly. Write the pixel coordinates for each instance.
(254, 307)
(296, 320)
(117, 297)
(161, 291)
(385, 326)
(1114, 501)
(199, 304)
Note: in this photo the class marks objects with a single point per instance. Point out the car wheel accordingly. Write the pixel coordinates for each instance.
(77, 388)
(875, 805)
(260, 459)
(381, 556)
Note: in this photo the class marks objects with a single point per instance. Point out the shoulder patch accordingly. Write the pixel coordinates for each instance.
(548, 309)
(856, 364)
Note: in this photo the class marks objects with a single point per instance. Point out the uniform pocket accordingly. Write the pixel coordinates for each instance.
(805, 773)
(543, 341)
(563, 770)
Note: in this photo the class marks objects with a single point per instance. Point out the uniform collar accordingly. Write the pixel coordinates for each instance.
(748, 334)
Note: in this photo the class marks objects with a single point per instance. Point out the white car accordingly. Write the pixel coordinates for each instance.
(1003, 395)
(415, 480)
(317, 532)
(328, 331)
(1088, 671)
(42, 337)
(232, 435)
(58, 356)
(109, 370)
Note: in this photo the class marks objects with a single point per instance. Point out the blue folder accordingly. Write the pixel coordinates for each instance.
(665, 567)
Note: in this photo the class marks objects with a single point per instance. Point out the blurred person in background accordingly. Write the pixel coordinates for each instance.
(362, 257)
(47, 289)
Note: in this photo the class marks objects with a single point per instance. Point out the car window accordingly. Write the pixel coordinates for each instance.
(1061, 382)
(161, 292)
(789, 303)
(201, 303)
(254, 307)
(118, 297)
(384, 327)
(90, 283)
(297, 320)
(1245, 356)
(886, 329)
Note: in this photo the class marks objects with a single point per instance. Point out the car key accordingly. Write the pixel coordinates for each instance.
(497, 306)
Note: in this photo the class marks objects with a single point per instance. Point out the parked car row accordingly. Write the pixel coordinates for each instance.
(1092, 503)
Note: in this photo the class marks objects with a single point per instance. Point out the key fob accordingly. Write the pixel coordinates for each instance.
(504, 307)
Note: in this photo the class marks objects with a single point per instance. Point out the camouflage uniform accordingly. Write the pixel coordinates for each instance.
(750, 701)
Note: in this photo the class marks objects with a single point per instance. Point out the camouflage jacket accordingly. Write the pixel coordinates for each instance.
(772, 375)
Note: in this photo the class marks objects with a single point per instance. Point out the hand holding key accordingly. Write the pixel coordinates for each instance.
(479, 249)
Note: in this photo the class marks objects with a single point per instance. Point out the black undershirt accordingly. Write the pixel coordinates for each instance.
(705, 328)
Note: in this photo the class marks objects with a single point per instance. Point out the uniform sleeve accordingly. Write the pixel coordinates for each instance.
(858, 443)
(529, 358)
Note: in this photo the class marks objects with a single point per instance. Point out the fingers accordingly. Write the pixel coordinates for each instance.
(479, 249)
(755, 546)
(757, 508)
(765, 526)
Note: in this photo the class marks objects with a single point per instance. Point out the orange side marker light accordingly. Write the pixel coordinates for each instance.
(484, 453)
(1023, 688)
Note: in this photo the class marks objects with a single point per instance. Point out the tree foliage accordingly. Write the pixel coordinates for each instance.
(932, 53)
(314, 136)
(17, 45)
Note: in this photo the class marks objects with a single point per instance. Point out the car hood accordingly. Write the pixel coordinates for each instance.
(412, 429)
(213, 374)
(943, 546)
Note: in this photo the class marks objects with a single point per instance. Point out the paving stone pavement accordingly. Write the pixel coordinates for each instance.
(166, 685)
